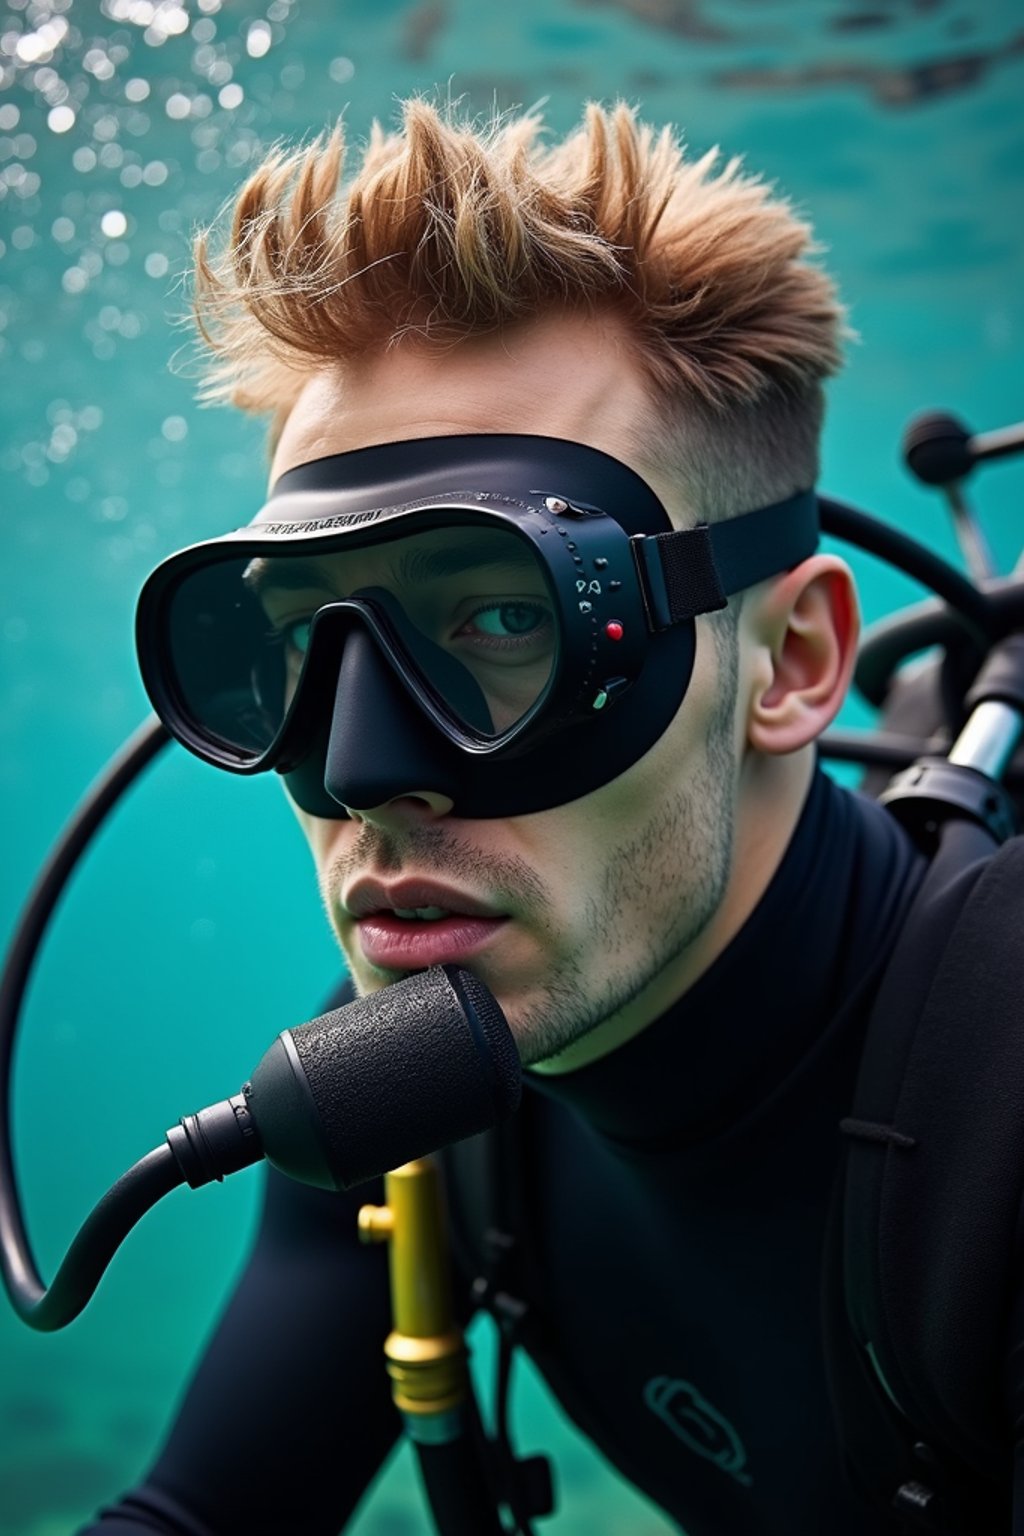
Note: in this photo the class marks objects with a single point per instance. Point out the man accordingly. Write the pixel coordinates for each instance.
(685, 953)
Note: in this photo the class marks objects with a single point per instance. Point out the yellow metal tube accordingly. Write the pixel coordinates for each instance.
(426, 1356)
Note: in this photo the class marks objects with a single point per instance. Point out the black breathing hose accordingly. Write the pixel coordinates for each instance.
(98, 1239)
(154, 1174)
(899, 549)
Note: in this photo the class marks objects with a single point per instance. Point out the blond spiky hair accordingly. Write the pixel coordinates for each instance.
(448, 230)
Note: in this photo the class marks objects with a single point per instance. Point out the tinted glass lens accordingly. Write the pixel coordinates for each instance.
(467, 608)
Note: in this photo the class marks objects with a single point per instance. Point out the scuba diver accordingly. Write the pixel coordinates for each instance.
(535, 627)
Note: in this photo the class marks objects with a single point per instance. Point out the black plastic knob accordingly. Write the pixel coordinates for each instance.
(937, 448)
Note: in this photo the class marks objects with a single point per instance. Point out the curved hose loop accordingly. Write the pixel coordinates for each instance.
(888, 642)
(153, 1175)
(96, 1242)
(889, 544)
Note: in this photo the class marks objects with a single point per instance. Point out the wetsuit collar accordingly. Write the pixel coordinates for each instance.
(721, 1055)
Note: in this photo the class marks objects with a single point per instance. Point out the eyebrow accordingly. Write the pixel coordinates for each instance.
(262, 575)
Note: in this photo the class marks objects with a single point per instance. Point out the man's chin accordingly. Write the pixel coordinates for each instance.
(521, 1009)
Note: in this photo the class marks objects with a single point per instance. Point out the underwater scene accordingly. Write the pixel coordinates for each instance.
(193, 932)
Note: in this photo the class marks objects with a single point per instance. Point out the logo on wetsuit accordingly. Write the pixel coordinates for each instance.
(701, 1427)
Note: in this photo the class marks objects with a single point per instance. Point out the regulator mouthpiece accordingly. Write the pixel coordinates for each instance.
(388, 1078)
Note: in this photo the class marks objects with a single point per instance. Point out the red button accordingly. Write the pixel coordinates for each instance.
(613, 629)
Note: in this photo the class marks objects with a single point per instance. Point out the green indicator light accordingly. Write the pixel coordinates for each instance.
(601, 700)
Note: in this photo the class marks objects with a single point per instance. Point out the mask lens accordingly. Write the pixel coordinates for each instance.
(465, 610)
(228, 670)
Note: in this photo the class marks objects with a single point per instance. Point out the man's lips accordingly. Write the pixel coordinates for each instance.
(368, 896)
(406, 943)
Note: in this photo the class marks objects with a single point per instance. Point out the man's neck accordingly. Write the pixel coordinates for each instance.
(773, 791)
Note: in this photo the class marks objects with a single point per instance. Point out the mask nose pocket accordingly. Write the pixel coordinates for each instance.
(380, 744)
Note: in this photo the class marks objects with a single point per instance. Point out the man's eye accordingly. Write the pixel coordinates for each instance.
(295, 636)
(509, 621)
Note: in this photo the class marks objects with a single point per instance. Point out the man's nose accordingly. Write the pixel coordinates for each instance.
(381, 748)
(418, 807)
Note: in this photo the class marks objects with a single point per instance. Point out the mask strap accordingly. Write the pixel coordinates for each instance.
(694, 570)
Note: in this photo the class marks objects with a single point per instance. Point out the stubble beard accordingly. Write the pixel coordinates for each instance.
(682, 854)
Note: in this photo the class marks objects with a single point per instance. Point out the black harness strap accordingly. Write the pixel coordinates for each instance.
(931, 1199)
(487, 1179)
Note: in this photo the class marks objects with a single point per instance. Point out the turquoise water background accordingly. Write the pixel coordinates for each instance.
(193, 933)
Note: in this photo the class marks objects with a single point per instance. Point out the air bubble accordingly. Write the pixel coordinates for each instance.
(258, 39)
(62, 441)
(60, 119)
(172, 20)
(97, 63)
(114, 224)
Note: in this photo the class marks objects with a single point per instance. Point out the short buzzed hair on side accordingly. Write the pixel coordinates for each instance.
(448, 230)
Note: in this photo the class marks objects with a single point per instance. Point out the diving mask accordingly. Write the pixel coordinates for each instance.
(505, 620)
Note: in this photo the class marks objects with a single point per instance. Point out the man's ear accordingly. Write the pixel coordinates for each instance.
(804, 627)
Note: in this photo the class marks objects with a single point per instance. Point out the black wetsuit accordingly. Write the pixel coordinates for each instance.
(678, 1204)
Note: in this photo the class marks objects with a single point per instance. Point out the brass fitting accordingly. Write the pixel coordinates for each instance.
(426, 1356)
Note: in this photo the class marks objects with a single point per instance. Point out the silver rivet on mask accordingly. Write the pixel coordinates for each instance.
(556, 504)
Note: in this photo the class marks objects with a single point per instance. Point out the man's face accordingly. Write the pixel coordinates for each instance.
(608, 896)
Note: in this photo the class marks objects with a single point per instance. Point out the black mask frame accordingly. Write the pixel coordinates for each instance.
(627, 587)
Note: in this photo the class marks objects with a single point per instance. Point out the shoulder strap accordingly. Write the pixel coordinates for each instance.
(485, 1181)
(931, 1198)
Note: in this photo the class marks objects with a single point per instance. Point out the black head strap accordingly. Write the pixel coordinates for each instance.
(694, 570)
